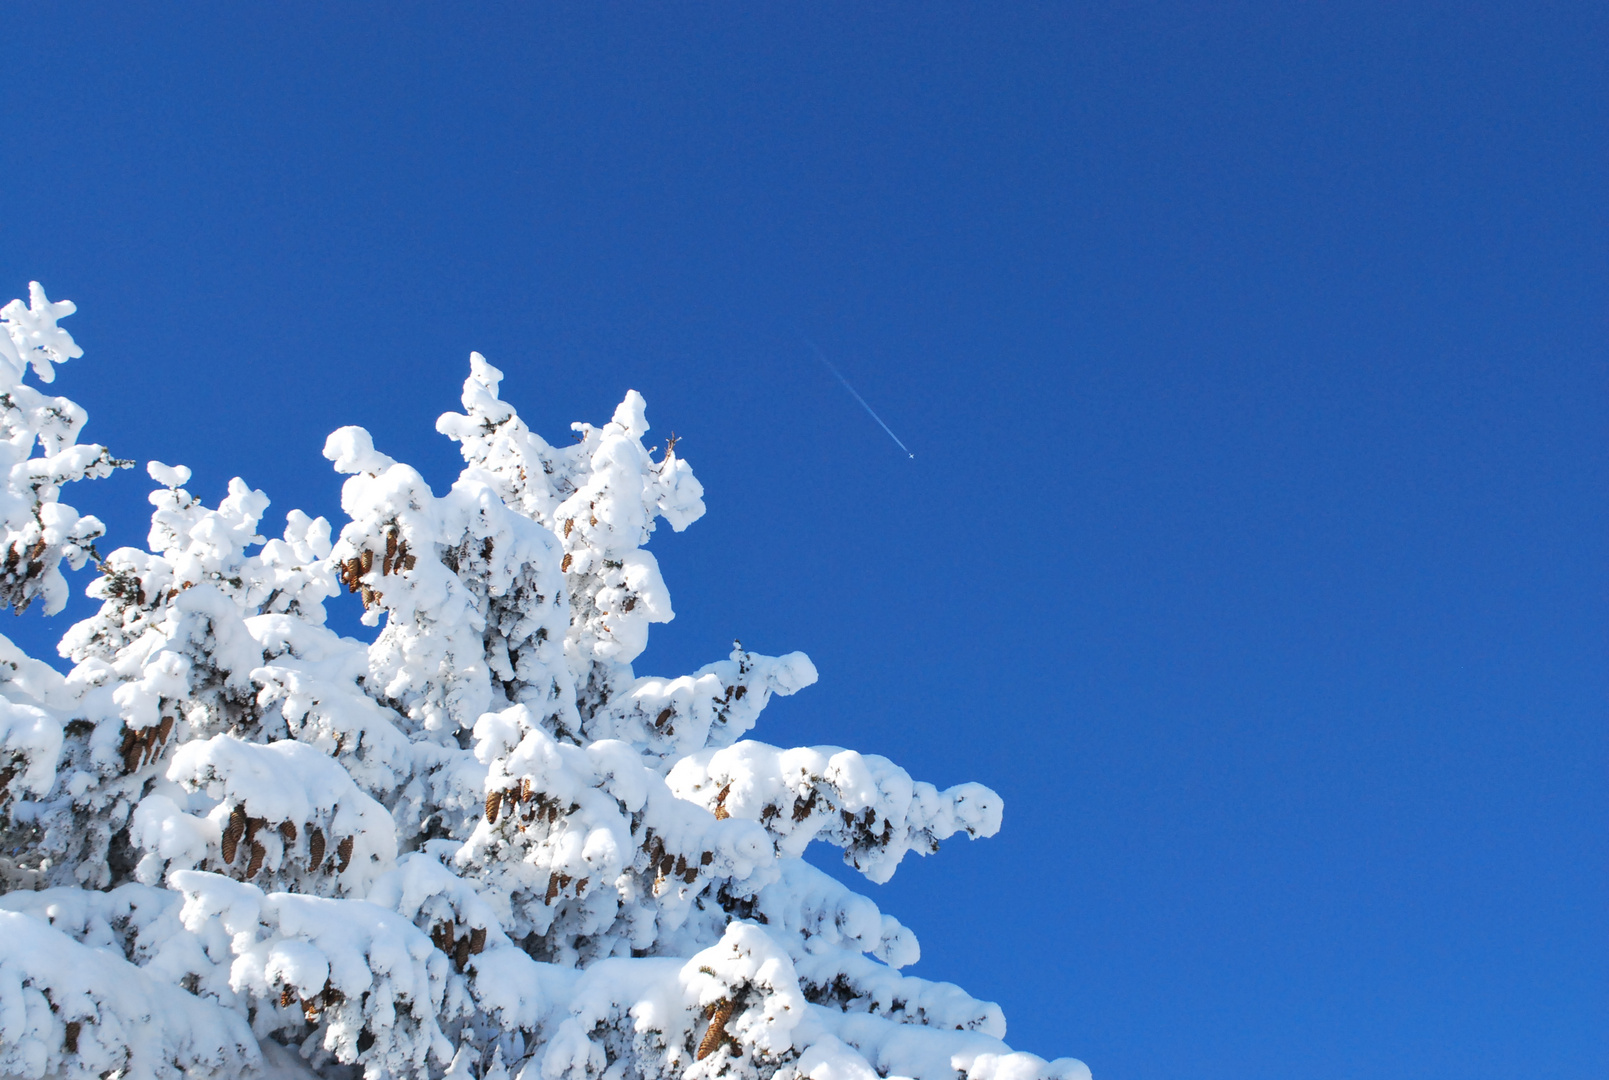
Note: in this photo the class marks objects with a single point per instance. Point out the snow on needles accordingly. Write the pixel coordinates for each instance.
(481, 846)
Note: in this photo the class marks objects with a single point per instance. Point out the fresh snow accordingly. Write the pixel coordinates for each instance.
(239, 844)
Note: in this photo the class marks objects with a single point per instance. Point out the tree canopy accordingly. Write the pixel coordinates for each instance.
(480, 845)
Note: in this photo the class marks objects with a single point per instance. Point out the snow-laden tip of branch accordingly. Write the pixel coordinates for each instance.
(32, 336)
(352, 450)
(631, 415)
(862, 803)
(38, 531)
(169, 476)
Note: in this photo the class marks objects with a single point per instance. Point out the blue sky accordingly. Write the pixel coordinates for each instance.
(1254, 363)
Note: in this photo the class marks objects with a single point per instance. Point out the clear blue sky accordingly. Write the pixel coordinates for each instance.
(1254, 362)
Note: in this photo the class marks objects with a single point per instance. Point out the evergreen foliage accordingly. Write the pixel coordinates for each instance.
(481, 846)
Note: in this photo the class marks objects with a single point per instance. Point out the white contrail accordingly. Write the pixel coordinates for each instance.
(873, 413)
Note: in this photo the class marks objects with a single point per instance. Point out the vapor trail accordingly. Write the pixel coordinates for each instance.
(870, 411)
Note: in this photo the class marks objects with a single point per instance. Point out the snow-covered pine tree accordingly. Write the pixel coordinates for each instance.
(481, 846)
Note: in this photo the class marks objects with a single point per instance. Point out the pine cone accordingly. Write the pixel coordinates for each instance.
(232, 834)
(716, 1034)
(343, 851)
